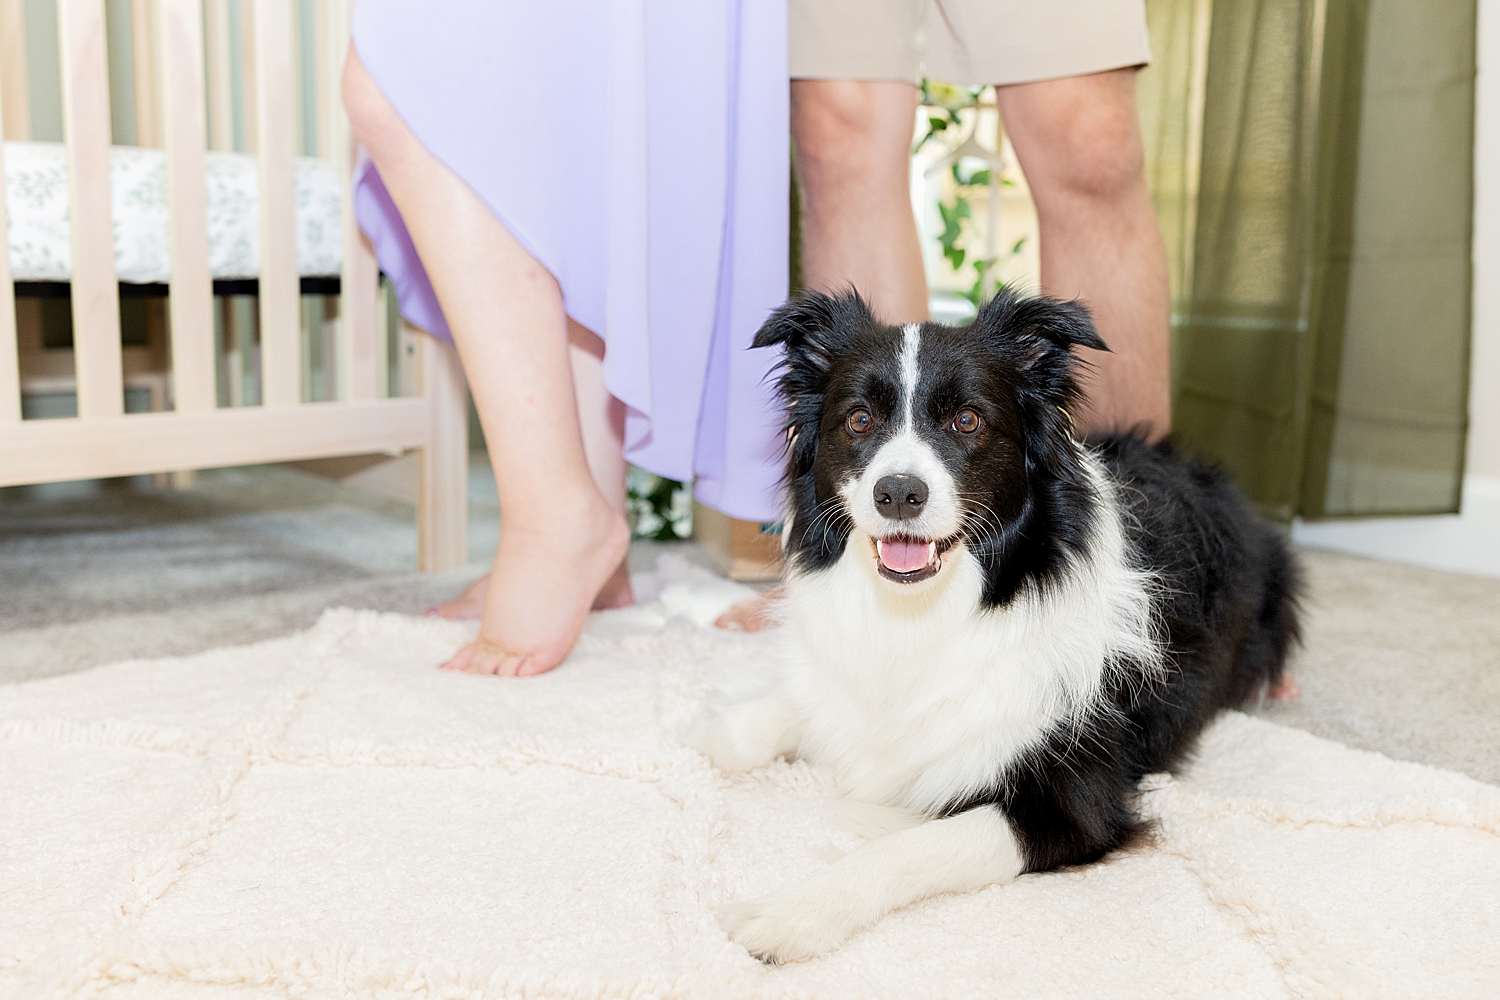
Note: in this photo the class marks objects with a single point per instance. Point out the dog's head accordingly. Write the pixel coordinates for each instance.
(926, 438)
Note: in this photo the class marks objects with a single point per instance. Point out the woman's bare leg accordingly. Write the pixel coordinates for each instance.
(601, 417)
(561, 539)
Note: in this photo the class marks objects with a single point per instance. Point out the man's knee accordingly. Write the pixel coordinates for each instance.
(851, 126)
(1102, 157)
(1091, 148)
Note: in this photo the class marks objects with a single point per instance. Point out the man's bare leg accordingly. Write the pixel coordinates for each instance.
(561, 539)
(1079, 142)
(601, 418)
(853, 142)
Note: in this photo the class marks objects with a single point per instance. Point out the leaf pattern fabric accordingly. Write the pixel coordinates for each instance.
(36, 193)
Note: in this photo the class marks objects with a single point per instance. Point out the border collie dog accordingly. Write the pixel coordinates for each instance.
(992, 626)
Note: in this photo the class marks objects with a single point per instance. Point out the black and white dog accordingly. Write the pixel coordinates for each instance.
(993, 626)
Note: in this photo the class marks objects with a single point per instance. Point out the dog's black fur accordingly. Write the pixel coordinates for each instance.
(1228, 610)
(1226, 594)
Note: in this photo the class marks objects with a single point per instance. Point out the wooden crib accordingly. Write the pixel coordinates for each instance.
(103, 440)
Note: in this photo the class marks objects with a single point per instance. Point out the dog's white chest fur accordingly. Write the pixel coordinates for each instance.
(921, 698)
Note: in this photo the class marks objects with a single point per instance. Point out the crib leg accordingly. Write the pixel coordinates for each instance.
(443, 479)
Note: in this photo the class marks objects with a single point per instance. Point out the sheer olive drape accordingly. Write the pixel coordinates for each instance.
(1312, 164)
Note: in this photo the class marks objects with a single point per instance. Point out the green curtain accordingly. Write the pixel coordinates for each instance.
(1312, 165)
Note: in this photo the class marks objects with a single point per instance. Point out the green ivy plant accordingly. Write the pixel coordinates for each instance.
(943, 102)
(660, 509)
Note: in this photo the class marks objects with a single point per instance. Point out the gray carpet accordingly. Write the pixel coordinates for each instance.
(1398, 659)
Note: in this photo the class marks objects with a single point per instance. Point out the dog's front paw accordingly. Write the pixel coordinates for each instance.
(711, 736)
(787, 926)
(743, 736)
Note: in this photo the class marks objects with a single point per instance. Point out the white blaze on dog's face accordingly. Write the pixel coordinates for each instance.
(904, 499)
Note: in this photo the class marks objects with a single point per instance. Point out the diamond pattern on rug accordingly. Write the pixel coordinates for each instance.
(329, 815)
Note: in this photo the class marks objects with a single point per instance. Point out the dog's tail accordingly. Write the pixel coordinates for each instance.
(1277, 628)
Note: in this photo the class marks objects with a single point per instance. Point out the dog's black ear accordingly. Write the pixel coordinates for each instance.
(1039, 324)
(1039, 334)
(813, 327)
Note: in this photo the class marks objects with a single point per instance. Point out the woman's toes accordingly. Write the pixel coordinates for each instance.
(530, 666)
(482, 657)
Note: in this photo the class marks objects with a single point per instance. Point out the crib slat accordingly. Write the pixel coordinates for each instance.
(220, 97)
(443, 470)
(143, 50)
(95, 291)
(15, 103)
(360, 345)
(15, 119)
(180, 52)
(10, 372)
(276, 118)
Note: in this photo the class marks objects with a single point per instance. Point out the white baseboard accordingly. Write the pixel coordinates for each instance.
(1467, 542)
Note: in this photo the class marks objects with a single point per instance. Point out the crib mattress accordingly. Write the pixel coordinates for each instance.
(36, 196)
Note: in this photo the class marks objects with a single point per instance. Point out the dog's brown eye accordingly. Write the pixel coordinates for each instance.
(967, 422)
(860, 421)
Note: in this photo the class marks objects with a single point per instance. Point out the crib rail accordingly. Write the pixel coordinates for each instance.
(172, 93)
(10, 361)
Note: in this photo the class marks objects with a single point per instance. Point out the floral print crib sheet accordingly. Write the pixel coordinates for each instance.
(36, 196)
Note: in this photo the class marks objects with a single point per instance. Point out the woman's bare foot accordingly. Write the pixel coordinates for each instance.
(543, 584)
(469, 605)
(617, 591)
(1285, 689)
(753, 614)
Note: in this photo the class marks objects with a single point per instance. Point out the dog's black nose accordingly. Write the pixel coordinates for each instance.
(900, 496)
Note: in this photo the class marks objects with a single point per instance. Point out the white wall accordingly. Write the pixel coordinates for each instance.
(1470, 540)
(1484, 392)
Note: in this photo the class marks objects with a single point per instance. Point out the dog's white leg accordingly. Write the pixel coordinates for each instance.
(747, 734)
(808, 918)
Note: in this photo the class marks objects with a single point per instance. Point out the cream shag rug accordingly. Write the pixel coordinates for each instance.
(327, 815)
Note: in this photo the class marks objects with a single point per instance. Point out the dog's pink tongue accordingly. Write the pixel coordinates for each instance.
(901, 556)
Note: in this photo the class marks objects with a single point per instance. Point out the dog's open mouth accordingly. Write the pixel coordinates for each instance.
(910, 560)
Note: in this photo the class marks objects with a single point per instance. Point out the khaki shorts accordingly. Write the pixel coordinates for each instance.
(965, 41)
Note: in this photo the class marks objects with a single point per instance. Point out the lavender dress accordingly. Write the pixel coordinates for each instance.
(638, 150)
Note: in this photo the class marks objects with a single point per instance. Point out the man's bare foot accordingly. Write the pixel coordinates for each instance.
(753, 614)
(469, 605)
(543, 584)
(1285, 689)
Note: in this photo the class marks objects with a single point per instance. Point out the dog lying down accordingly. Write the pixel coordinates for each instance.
(990, 624)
